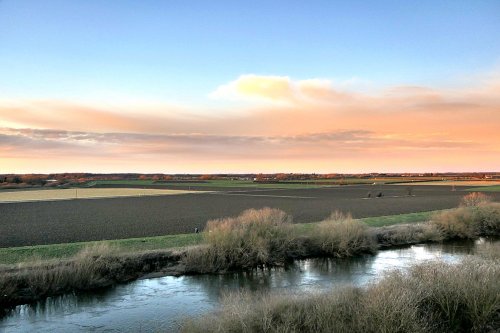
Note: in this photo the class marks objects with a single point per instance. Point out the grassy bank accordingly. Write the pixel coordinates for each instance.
(25, 254)
(430, 297)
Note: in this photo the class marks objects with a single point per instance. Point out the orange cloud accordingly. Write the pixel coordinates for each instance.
(299, 125)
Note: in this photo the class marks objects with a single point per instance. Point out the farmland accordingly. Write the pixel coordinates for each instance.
(481, 183)
(81, 193)
(202, 185)
(51, 222)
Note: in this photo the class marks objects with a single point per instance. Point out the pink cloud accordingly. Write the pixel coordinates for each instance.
(305, 121)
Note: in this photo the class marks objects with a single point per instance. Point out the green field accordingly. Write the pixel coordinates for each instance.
(380, 180)
(381, 221)
(56, 251)
(15, 255)
(494, 188)
(223, 183)
(227, 183)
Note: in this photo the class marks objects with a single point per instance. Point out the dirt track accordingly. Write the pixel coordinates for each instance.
(32, 223)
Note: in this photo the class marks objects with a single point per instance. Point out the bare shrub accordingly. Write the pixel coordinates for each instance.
(469, 221)
(341, 236)
(461, 297)
(456, 223)
(487, 219)
(404, 234)
(255, 237)
(474, 199)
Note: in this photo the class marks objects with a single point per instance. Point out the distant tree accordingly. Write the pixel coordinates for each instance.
(260, 177)
(281, 176)
(34, 179)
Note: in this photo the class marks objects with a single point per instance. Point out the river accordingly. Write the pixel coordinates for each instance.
(161, 304)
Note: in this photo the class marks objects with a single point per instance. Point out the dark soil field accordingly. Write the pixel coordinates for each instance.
(49, 222)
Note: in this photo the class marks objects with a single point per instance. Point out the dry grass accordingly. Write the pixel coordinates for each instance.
(82, 193)
(471, 221)
(475, 199)
(39, 279)
(94, 267)
(255, 237)
(405, 234)
(431, 297)
(342, 236)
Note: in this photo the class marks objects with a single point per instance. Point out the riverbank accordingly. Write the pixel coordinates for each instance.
(265, 240)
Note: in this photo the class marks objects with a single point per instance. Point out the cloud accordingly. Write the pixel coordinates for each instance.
(319, 93)
(77, 116)
(300, 121)
(280, 89)
(26, 142)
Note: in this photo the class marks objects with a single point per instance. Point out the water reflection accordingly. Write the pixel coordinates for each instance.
(161, 304)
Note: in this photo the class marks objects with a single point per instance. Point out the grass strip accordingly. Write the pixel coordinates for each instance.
(14, 255)
(493, 188)
(209, 183)
(381, 221)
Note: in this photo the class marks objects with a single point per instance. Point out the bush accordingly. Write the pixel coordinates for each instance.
(342, 236)
(470, 222)
(254, 238)
(459, 298)
(404, 234)
(474, 199)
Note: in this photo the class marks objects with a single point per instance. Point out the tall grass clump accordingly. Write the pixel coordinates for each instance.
(254, 238)
(341, 236)
(430, 297)
(405, 234)
(475, 217)
(87, 270)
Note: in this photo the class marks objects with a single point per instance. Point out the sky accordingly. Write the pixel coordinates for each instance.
(260, 86)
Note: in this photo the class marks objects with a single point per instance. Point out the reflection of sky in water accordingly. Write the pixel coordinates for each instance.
(160, 304)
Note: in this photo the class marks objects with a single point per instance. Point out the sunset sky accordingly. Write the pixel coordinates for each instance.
(249, 86)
